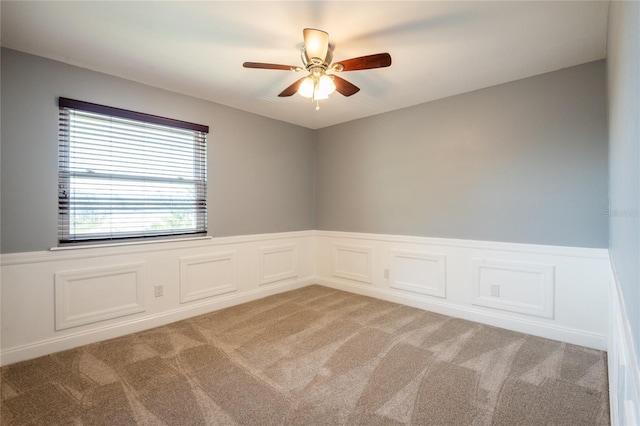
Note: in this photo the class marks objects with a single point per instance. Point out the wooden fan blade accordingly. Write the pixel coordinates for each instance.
(344, 87)
(291, 89)
(268, 66)
(379, 60)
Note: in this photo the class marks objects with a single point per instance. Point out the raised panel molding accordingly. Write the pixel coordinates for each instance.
(207, 276)
(277, 263)
(418, 272)
(353, 262)
(525, 288)
(98, 294)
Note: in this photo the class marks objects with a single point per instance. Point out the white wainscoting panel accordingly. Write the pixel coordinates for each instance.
(520, 287)
(353, 262)
(277, 263)
(418, 272)
(34, 317)
(207, 276)
(549, 291)
(97, 287)
(91, 295)
(624, 363)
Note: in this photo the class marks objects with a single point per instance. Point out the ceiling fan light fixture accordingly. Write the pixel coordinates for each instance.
(316, 43)
(317, 87)
(317, 58)
(326, 85)
(307, 87)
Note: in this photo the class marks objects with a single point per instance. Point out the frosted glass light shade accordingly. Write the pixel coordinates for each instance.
(316, 43)
(306, 87)
(325, 86)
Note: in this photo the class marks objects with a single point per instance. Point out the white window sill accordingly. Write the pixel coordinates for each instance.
(127, 243)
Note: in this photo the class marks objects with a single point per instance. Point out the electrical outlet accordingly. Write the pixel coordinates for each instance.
(159, 290)
(386, 273)
(495, 290)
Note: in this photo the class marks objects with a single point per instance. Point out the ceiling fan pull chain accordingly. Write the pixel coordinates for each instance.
(316, 86)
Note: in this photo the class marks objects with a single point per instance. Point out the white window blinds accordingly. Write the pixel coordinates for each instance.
(124, 174)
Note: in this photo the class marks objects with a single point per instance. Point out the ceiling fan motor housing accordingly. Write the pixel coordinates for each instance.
(313, 62)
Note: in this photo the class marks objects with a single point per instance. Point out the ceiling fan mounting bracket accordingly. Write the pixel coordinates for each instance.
(316, 69)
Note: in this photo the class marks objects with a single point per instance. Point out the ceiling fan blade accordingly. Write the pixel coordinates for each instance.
(260, 65)
(291, 89)
(344, 87)
(379, 60)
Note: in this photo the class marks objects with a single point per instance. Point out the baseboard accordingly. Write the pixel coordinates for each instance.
(624, 369)
(554, 332)
(73, 340)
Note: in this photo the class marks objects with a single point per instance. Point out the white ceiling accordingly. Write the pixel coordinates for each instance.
(439, 48)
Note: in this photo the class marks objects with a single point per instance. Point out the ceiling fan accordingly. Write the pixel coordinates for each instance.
(317, 54)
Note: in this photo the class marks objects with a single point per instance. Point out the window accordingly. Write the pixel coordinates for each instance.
(124, 174)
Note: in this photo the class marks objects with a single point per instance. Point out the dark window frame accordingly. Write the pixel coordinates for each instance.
(70, 204)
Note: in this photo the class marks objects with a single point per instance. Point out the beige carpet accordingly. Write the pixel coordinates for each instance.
(314, 356)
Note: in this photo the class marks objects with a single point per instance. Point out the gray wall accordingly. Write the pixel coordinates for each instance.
(623, 69)
(261, 171)
(521, 162)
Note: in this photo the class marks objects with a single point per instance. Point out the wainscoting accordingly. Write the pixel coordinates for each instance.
(624, 369)
(562, 293)
(57, 300)
(554, 292)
